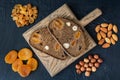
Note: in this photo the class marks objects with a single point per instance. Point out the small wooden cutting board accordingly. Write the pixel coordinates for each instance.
(52, 64)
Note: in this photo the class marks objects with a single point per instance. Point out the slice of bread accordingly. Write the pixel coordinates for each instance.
(69, 34)
(42, 40)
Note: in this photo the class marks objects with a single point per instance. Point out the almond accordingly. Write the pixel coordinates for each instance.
(104, 29)
(97, 29)
(106, 45)
(101, 41)
(103, 34)
(114, 36)
(104, 25)
(115, 29)
(98, 36)
(107, 40)
(109, 34)
(110, 26)
(112, 40)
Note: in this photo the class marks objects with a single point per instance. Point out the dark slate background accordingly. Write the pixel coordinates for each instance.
(11, 38)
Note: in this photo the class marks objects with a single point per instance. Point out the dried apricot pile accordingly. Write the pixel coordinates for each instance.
(106, 34)
(24, 14)
(17, 60)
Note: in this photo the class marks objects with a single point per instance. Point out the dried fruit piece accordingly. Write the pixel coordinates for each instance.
(33, 63)
(97, 29)
(25, 54)
(106, 45)
(110, 26)
(112, 41)
(36, 39)
(115, 29)
(109, 34)
(77, 35)
(58, 24)
(104, 25)
(24, 70)
(103, 34)
(98, 36)
(57, 47)
(114, 36)
(73, 42)
(103, 29)
(11, 57)
(101, 41)
(107, 40)
(16, 64)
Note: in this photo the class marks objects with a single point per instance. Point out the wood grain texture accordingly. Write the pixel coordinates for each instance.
(52, 64)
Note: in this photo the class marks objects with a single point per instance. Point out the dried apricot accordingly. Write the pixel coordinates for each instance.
(73, 42)
(16, 64)
(77, 35)
(57, 47)
(33, 63)
(58, 24)
(11, 57)
(24, 70)
(36, 39)
(25, 54)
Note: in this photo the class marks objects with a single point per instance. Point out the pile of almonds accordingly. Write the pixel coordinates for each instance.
(106, 34)
(88, 65)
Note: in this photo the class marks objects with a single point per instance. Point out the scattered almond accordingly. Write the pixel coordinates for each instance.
(101, 41)
(107, 40)
(103, 29)
(114, 36)
(97, 29)
(104, 25)
(112, 40)
(109, 34)
(106, 45)
(110, 26)
(98, 36)
(103, 34)
(115, 29)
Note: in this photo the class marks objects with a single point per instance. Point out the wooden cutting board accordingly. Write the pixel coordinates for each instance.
(52, 64)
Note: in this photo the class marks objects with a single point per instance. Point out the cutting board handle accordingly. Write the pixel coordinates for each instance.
(90, 17)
